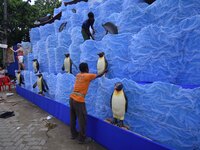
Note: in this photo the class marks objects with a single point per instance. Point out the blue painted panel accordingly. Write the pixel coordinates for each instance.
(109, 136)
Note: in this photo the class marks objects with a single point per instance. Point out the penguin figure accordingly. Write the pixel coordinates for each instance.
(67, 65)
(110, 27)
(36, 65)
(102, 63)
(118, 104)
(20, 78)
(41, 83)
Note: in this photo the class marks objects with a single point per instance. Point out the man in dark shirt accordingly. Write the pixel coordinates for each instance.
(86, 27)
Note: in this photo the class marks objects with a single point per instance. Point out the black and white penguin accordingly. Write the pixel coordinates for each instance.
(118, 104)
(67, 65)
(102, 63)
(20, 78)
(41, 83)
(36, 65)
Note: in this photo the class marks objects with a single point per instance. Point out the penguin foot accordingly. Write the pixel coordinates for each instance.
(114, 121)
(40, 93)
(120, 124)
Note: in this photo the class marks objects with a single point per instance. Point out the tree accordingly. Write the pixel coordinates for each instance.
(21, 16)
(45, 7)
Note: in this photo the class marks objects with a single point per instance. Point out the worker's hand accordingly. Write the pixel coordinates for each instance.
(11, 48)
(93, 32)
(92, 37)
(106, 71)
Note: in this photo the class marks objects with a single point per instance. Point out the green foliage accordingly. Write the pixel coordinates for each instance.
(21, 16)
(45, 7)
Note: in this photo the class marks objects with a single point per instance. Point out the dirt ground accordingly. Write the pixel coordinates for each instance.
(28, 129)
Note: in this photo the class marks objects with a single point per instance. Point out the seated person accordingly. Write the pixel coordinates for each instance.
(2, 71)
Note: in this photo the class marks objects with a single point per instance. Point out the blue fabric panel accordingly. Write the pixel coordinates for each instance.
(111, 137)
(157, 42)
(114, 138)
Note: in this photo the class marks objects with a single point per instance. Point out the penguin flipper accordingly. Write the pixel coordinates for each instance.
(22, 79)
(106, 64)
(44, 89)
(126, 107)
(35, 84)
(111, 100)
(71, 66)
(63, 68)
(38, 66)
(45, 85)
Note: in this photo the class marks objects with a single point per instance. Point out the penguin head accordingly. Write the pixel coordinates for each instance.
(39, 75)
(34, 60)
(118, 86)
(101, 54)
(67, 55)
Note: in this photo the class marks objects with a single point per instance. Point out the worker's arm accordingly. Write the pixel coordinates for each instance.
(92, 37)
(100, 75)
(14, 50)
(92, 26)
(93, 31)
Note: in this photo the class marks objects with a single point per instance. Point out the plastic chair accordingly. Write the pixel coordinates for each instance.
(1, 84)
(8, 83)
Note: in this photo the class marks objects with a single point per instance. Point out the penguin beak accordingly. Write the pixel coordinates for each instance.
(66, 55)
(39, 75)
(100, 54)
(118, 89)
(118, 86)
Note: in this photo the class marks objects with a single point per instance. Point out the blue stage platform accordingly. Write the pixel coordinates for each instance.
(109, 136)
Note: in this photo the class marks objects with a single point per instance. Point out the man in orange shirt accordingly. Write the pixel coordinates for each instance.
(77, 102)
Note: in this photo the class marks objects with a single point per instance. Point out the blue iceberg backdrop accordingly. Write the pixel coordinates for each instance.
(155, 55)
